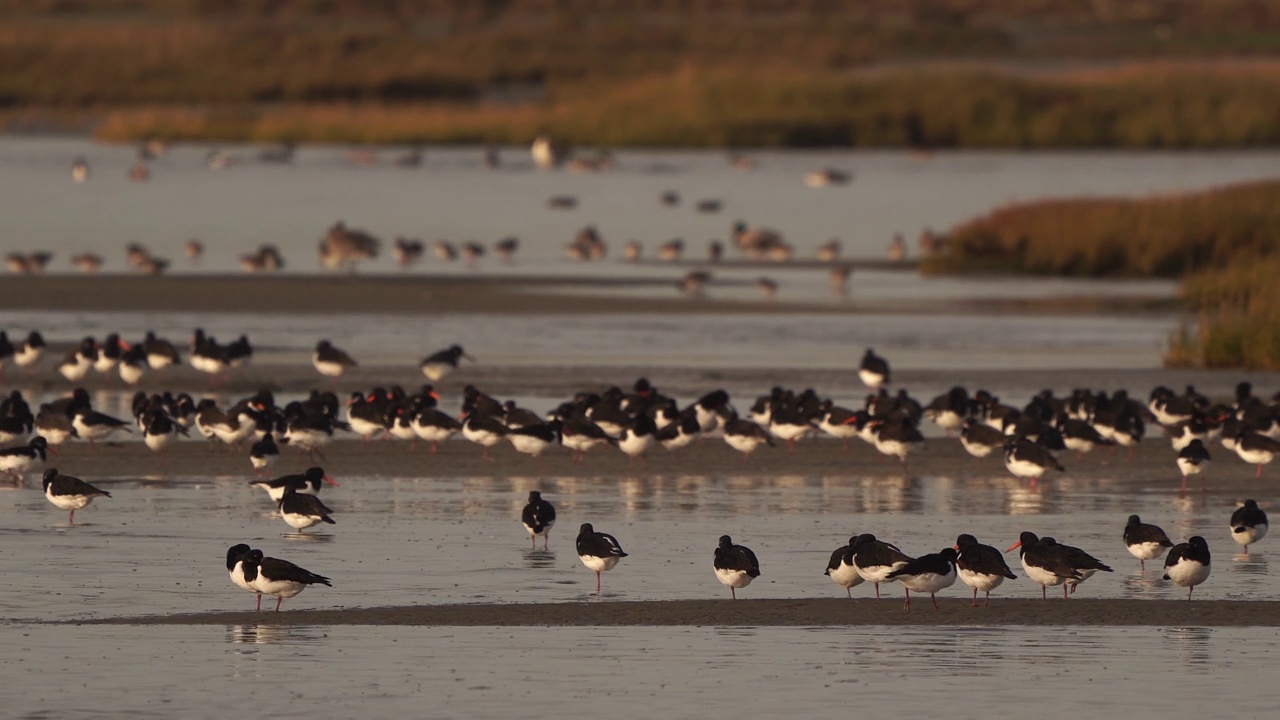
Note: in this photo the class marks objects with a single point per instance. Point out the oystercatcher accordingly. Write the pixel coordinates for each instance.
(109, 353)
(841, 570)
(1079, 436)
(331, 361)
(735, 565)
(18, 461)
(264, 453)
(69, 493)
(54, 426)
(898, 438)
(981, 567)
(838, 422)
(436, 365)
(598, 551)
(484, 430)
(1187, 564)
(745, 436)
(433, 426)
(874, 370)
(1248, 524)
(1256, 449)
(92, 425)
(133, 365)
(1145, 541)
(281, 578)
(638, 437)
(980, 439)
(875, 559)
(301, 511)
(539, 516)
(535, 439)
(160, 353)
(711, 409)
(235, 568)
(949, 411)
(1024, 458)
(927, 574)
(680, 432)
(78, 362)
(1044, 564)
(306, 483)
(159, 430)
(580, 434)
(28, 352)
(1084, 563)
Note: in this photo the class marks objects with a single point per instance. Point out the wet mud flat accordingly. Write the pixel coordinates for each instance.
(835, 612)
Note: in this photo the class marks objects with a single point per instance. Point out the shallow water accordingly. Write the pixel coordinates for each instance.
(157, 546)
(380, 672)
(453, 197)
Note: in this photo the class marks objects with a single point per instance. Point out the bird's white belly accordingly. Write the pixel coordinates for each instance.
(928, 582)
(733, 578)
(982, 582)
(1250, 535)
(300, 522)
(634, 445)
(1146, 550)
(278, 588)
(69, 502)
(328, 369)
(528, 444)
(743, 443)
(877, 573)
(1187, 573)
(846, 576)
(1041, 576)
(1022, 468)
(1190, 468)
(1254, 457)
(599, 564)
(977, 450)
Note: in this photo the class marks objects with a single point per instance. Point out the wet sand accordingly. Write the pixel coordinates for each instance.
(1151, 467)
(763, 613)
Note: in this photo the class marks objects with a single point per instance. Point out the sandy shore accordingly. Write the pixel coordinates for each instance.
(750, 613)
(425, 294)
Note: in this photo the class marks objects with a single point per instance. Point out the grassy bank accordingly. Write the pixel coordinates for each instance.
(1223, 243)
(1164, 73)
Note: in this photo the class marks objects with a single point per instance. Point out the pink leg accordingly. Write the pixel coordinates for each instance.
(935, 600)
(975, 598)
(1044, 592)
(1142, 564)
(533, 542)
(435, 448)
(849, 592)
(908, 603)
(1258, 474)
(1189, 592)
(259, 608)
(597, 582)
(733, 593)
(1064, 592)
(877, 591)
(278, 601)
(546, 538)
(988, 602)
(71, 520)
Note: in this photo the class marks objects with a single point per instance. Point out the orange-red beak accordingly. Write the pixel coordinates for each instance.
(1015, 546)
(434, 394)
(956, 548)
(52, 450)
(331, 481)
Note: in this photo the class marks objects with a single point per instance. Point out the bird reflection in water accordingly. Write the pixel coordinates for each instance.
(274, 634)
(307, 537)
(539, 559)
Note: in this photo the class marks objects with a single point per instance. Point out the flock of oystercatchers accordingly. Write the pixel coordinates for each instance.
(1030, 439)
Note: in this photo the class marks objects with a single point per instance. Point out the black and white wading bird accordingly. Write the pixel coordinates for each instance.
(598, 551)
(1085, 564)
(1045, 565)
(735, 565)
(438, 364)
(874, 370)
(300, 510)
(841, 570)
(539, 516)
(981, 567)
(280, 578)
(927, 574)
(1187, 564)
(875, 559)
(1193, 460)
(69, 493)
(307, 483)
(264, 453)
(1145, 541)
(235, 568)
(331, 361)
(18, 461)
(1026, 459)
(1248, 524)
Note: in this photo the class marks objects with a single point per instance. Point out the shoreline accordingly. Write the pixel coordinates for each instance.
(822, 612)
(426, 294)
